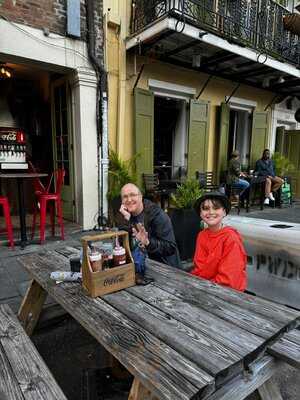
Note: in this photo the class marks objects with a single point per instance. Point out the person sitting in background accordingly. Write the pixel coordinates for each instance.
(234, 174)
(220, 255)
(265, 167)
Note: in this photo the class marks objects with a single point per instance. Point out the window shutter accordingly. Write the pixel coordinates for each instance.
(198, 136)
(223, 139)
(279, 140)
(259, 137)
(144, 131)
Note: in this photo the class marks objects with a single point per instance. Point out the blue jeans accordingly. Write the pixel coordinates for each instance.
(241, 184)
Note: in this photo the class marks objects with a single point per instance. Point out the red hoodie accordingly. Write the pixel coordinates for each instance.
(221, 258)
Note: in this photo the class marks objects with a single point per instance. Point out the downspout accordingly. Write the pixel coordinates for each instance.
(101, 113)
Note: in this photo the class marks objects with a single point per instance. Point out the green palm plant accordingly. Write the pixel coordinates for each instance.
(282, 164)
(186, 194)
(120, 172)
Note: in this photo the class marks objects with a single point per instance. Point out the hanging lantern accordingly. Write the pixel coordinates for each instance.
(291, 23)
(5, 72)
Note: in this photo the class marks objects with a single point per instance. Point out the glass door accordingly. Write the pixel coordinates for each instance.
(62, 139)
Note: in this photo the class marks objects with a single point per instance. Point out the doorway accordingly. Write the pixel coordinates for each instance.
(240, 126)
(38, 102)
(170, 137)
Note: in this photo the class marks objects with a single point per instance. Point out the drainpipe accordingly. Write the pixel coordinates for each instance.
(101, 113)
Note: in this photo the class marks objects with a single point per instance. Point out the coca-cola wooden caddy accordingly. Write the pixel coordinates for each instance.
(107, 280)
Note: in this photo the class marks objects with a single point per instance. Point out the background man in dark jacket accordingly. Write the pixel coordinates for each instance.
(150, 225)
(265, 167)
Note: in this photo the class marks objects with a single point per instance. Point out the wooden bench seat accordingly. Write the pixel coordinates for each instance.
(23, 373)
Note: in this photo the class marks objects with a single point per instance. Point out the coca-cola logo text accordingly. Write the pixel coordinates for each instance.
(114, 280)
(9, 136)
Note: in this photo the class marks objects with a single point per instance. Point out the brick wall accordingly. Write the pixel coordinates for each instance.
(50, 14)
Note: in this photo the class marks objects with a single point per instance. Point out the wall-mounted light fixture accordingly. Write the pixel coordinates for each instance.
(266, 82)
(196, 60)
(5, 72)
(281, 79)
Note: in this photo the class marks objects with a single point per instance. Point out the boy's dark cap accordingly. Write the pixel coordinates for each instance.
(216, 195)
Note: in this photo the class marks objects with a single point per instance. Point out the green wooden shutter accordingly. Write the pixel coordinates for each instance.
(293, 154)
(279, 139)
(259, 137)
(144, 131)
(198, 136)
(223, 138)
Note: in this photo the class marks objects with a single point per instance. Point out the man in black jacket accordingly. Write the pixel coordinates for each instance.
(265, 167)
(150, 226)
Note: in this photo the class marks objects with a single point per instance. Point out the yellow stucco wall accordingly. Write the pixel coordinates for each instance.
(122, 75)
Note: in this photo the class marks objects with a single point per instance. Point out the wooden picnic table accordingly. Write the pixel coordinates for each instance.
(181, 337)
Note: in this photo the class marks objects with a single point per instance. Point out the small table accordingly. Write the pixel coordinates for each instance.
(20, 176)
(181, 337)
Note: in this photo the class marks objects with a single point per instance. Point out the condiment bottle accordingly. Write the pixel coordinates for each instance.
(119, 254)
(95, 260)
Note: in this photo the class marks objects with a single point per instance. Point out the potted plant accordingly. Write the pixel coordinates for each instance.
(282, 167)
(120, 172)
(186, 222)
(282, 164)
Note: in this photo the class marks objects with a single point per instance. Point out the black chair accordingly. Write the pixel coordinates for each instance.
(154, 192)
(257, 191)
(237, 199)
(207, 181)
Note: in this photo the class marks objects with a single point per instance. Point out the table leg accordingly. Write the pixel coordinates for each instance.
(31, 306)
(139, 392)
(22, 212)
(269, 391)
(118, 371)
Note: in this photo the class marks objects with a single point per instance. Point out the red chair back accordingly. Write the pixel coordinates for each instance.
(39, 187)
(60, 176)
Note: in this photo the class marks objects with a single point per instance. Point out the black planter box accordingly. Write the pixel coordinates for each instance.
(186, 225)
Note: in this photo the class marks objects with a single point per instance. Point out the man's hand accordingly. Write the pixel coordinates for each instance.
(140, 233)
(123, 210)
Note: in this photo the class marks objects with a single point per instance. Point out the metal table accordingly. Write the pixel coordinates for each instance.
(20, 176)
(181, 337)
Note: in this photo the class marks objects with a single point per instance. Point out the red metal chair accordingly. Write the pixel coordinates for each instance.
(39, 187)
(6, 211)
(43, 198)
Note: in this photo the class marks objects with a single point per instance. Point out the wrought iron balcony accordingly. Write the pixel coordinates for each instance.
(257, 24)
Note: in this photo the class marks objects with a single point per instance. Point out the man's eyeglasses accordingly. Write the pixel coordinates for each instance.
(130, 196)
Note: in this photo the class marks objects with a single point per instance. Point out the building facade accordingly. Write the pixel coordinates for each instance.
(193, 81)
(56, 94)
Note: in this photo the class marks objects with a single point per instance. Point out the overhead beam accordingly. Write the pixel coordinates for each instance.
(220, 57)
(215, 73)
(253, 72)
(241, 65)
(287, 83)
(182, 48)
(148, 45)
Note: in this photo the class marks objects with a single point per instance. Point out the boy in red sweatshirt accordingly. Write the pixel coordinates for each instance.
(220, 255)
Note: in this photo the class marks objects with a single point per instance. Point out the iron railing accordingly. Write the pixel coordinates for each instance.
(252, 23)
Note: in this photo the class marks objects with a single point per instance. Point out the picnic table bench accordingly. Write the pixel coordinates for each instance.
(181, 337)
(23, 373)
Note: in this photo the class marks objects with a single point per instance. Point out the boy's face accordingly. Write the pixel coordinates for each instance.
(212, 214)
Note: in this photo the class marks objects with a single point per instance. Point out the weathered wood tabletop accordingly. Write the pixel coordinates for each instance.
(181, 337)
